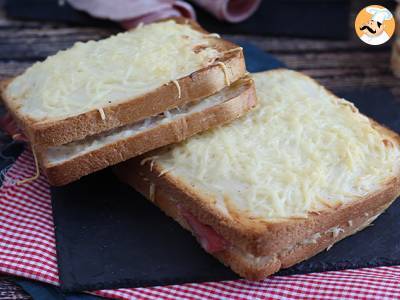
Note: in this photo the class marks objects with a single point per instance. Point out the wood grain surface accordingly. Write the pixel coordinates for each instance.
(11, 291)
(336, 64)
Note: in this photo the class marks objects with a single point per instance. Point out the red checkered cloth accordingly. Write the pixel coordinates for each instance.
(27, 249)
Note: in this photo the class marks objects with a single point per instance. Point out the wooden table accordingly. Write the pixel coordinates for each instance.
(336, 64)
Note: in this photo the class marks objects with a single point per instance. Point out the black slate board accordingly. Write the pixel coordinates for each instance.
(108, 236)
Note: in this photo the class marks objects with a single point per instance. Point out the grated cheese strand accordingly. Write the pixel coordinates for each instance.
(16, 136)
(165, 171)
(234, 50)
(214, 35)
(37, 172)
(225, 70)
(152, 191)
(102, 114)
(178, 87)
(145, 160)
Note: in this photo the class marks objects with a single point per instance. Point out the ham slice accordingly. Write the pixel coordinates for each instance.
(232, 11)
(177, 9)
(210, 240)
(130, 13)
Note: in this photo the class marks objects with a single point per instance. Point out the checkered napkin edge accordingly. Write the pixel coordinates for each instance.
(27, 249)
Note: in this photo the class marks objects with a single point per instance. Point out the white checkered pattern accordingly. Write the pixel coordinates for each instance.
(27, 249)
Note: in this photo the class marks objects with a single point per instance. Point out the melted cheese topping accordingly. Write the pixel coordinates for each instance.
(37, 171)
(225, 70)
(96, 74)
(102, 113)
(178, 87)
(301, 150)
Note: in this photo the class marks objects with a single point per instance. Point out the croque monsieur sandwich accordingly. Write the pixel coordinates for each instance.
(100, 103)
(300, 172)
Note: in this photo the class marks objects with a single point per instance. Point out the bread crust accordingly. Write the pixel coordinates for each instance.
(256, 236)
(259, 237)
(194, 87)
(288, 257)
(284, 257)
(164, 134)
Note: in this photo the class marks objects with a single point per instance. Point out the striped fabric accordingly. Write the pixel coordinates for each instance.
(27, 249)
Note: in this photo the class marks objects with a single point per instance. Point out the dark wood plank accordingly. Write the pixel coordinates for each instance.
(301, 46)
(11, 68)
(334, 63)
(38, 43)
(333, 68)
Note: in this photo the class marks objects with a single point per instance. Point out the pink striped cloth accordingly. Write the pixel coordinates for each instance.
(27, 249)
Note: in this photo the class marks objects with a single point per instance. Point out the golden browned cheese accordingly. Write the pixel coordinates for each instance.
(301, 150)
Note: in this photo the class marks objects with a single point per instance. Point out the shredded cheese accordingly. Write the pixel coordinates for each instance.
(335, 231)
(234, 50)
(216, 35)
(152, 191)
(102, 114)
(225, 70)
(165, 171)
(151, 165)
(178, 87)
(16, 136)
(300, 150)
(151, 159)
(145, 160)
(37, 171)
(113, 70)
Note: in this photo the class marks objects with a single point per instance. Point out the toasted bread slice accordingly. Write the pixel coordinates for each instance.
(66, 163)
(295, 175)
(97, 86)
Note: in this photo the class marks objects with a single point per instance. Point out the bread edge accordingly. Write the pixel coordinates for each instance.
(198, 85)
(283, 258)
(162, 135)
(258, 236)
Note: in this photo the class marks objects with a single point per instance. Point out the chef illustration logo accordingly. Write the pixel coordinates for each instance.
(374, 25)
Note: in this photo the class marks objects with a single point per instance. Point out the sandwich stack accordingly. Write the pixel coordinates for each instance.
(273, 186)
(100, 103)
